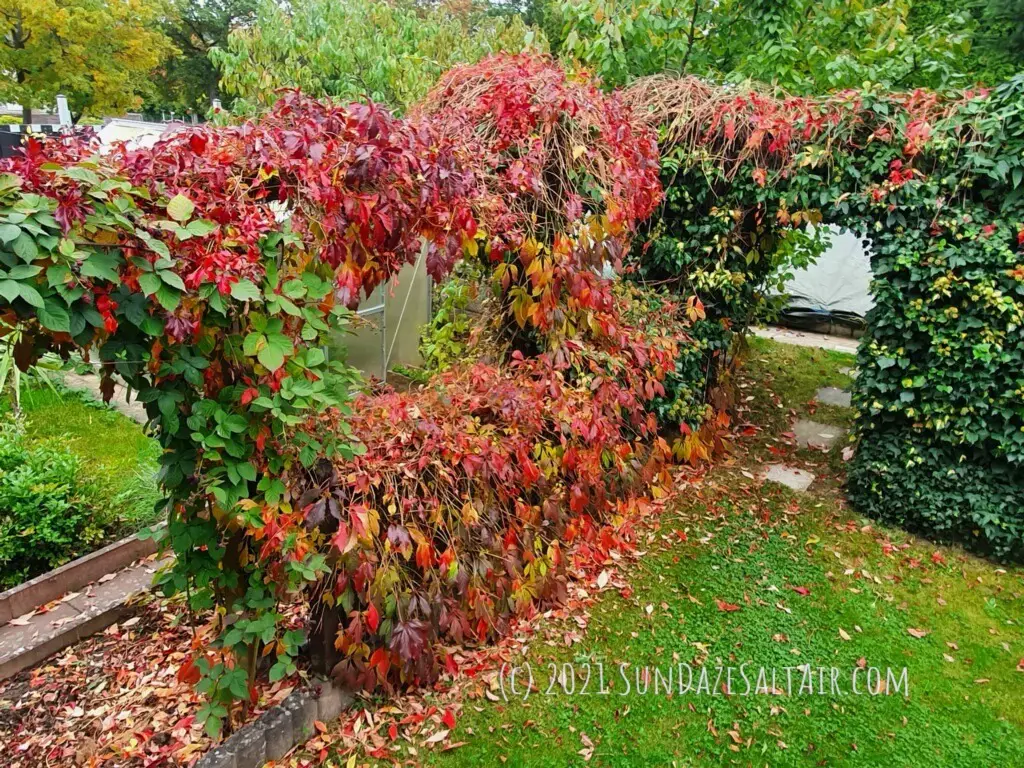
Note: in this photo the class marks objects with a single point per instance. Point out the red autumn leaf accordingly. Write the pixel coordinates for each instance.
(372, 617)
(450, 666)
(726, 607)
(937, 558)
(448, 719)
(393, 731)
(801, 590)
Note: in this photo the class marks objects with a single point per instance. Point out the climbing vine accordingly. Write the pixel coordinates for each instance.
(209, 273)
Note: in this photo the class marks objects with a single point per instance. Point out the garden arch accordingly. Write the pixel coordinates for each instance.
(935, 183)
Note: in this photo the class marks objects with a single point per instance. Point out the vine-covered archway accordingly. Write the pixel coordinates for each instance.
(935, 183)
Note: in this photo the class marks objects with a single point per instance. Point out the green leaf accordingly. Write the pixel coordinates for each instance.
(24, 271)
(201, 227)
(30, 295)
(271, 357)
(103, 265)
(9, 181)
(9, 232)
(172, 279)
(180, 208)
(55, 317)
(150, 283)
(25, 247)
(168, 297)
(245, 290)
(9, 289)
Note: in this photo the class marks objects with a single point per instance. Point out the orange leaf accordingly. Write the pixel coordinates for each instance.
(188, 673)
(726, 607)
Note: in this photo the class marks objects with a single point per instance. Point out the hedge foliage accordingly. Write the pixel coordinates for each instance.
(934, 183)
(48, 511)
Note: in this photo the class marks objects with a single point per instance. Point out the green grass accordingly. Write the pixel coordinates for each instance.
(795, 374)
(120, 461)
(749, 545)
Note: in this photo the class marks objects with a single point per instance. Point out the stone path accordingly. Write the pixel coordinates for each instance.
(808, 339)
(814, 434)
(833, 396)
(29, 639)
(90, 383)
(797, 479)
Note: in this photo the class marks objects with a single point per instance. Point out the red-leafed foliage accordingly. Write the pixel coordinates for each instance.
(211, 269)
(475, 490)
(570, 174)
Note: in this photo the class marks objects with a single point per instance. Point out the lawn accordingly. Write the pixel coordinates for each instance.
(119, 459)
(744, 573)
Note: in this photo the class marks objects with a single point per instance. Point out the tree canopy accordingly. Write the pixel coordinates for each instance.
(99, 54)
(391, 52)
(190, 80)
(807, 46)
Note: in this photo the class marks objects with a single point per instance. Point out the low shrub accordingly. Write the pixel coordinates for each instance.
(943, 492)
(47, 515)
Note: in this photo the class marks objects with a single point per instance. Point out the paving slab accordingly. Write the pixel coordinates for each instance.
(791, 477)
(833, 396)
(812, 434)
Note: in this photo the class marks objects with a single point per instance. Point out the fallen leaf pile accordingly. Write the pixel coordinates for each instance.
(114, 699)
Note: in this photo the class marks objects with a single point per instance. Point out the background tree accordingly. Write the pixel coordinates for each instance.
(98, 54)
(190, 81)
(803, 45)
(391, 52)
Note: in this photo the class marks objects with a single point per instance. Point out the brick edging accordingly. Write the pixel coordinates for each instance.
(278, 730)
(72, 576)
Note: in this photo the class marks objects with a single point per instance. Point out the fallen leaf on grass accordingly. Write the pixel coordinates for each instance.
(602, 579)
(726, 607)
(801, 590)
(844, 634)
(918, 633)
(436, 737)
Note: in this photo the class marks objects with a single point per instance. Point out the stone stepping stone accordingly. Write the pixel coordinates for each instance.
(791, 477)
(812, 434)
(833, 396)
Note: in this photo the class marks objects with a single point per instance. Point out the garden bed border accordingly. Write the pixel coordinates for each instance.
(72, 576)
(280, 729)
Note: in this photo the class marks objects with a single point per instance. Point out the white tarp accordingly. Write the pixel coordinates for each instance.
(838, 283)
(137, 133)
